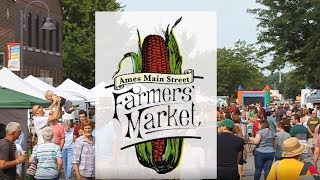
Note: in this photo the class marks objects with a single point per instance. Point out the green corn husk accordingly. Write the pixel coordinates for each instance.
(135, 57)
(175, 57)
(171, 157)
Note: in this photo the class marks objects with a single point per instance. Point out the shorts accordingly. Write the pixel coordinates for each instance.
(241, 159)
(317, 143)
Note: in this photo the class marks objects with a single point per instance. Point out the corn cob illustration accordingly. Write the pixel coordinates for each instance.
(155, 59)
(157, 55)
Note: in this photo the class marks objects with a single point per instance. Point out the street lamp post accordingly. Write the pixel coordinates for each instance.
(48, 25)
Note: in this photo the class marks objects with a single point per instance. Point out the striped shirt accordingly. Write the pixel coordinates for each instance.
(46, 155)
(84, 156)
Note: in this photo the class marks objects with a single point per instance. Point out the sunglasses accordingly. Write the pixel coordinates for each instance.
(38, 108)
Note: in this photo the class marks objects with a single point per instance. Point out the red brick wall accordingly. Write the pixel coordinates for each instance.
(7, 23)
(34, 59)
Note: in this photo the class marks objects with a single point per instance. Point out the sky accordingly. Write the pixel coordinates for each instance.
(233, 21)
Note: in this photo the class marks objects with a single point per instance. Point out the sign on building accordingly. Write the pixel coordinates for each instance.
(13, 56)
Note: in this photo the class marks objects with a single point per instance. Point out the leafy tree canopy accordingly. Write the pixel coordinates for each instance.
(239, 66)
(79, 38)
(289, 32)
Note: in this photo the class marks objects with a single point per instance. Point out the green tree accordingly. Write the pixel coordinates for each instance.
(289, 32)
(273, 80)
(239, 66)
(79, 38)
(290, 85)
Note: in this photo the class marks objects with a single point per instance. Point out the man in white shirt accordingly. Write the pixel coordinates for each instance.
(40, 120)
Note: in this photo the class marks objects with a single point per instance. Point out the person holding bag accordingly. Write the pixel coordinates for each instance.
(264, 151)
(47, 156)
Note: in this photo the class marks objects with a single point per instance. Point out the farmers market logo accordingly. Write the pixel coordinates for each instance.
(150, 112)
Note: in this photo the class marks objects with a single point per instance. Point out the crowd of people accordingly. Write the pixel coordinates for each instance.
(281, 138)
(59, 146)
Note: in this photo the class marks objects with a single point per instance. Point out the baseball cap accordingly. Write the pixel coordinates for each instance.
(227, 122)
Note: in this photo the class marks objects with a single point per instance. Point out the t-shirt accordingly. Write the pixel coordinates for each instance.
(7, 153)
(255, 127)
(279, 114)
(272, 123)
(300, 131)
(281, 137)
(312, 123)
(267, 141)
(58, 133)
(19, 153)
(76, 130)
(288, 169)
(68, 143)
(228, 147)
(46, 155)
(39, 123)
(249, 128)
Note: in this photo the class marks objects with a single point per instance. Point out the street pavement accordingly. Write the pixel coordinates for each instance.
(249, 167)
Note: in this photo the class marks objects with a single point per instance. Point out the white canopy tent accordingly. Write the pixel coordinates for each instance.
(103, 94)
(100, 90)
(314, 98)
(9, 80)
(43, 86)
(76, 89)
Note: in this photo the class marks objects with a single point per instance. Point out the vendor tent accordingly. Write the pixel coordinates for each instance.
(43, 86)
(73, 88)
(314, 98)
(9, 80)
(14, 107)
(10, 99)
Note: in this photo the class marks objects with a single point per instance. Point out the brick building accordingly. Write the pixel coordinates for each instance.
(42, 56)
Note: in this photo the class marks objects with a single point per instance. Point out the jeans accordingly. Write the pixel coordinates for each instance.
(67, 163)
(262, 161)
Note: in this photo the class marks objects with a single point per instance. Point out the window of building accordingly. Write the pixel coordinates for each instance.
(57, 37)
(44, 36)
(2, 60)
(50, 40)
(44, 73)
(29, 29)
(37, 28)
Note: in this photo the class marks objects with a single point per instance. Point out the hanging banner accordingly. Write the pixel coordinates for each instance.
(13, 56)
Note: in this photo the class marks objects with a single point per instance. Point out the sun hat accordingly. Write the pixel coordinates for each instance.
(292, 147)
(227, 122)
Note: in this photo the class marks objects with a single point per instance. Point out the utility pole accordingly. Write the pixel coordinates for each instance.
(279, 76)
